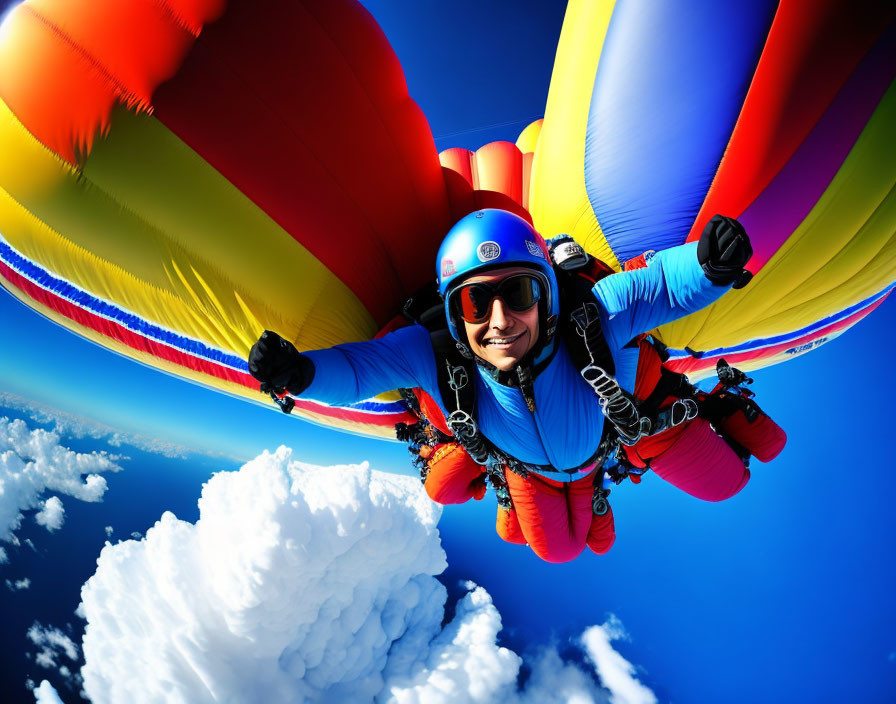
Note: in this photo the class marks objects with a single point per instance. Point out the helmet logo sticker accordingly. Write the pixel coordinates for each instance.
(448, 268)
(534, 249)
(488, 251)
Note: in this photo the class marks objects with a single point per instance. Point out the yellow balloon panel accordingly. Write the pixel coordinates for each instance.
(200, 257)
(527, 142)
(558, 200)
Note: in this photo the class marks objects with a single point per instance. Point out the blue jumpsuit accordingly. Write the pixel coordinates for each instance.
(566, 426)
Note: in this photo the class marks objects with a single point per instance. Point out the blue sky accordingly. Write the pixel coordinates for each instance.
(783, 593)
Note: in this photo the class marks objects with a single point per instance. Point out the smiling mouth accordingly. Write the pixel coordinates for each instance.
(501, 342)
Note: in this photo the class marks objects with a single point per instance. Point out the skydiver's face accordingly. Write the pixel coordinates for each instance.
(505, 335)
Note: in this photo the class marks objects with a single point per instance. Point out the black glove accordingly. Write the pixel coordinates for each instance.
(278, 365)
(723, 251)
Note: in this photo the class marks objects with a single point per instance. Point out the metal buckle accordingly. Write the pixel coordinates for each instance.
(683, 409)
(642, 430)
(580, 316)
(462, 425)
(599, 380)
(458, 378)
(630, 429)
(599, 503)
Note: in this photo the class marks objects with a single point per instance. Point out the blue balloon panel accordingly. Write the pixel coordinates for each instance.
(661, 116)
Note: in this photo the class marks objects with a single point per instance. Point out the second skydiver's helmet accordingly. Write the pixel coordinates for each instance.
(491, 239)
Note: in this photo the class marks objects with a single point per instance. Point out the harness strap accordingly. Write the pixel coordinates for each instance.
(684, 409)
(525, 468)
(670, 384)
(618, 406)
(495, 471)
(582, 330)
(460, 420)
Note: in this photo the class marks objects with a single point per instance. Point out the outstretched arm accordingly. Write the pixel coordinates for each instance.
(347, 373)
(677, 281)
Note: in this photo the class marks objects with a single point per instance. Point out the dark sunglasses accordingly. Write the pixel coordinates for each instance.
(519, 292)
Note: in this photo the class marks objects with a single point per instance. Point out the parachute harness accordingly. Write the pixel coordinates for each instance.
(421, 436)
(467, 433)
(461, 423)
(631, 420)
(617, 406)
(731, 395)
(593, 358)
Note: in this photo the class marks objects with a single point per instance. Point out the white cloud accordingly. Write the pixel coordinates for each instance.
(45, 694)
(52, 514)
(553, 680)
(70, 425)
(18, 585)
(616, 673)
(301, 577)
(32, 462)
(46, 658)
(301, 583)
(52, 643)
(462, 663)
(4, 558)
(109, 531)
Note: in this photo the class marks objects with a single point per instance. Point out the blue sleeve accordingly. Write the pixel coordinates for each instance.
(349, 373)
(671, 286)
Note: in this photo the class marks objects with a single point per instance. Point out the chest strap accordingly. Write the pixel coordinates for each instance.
(617, 405)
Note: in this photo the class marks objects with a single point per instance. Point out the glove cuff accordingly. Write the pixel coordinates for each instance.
(302, 376)
(721, 275)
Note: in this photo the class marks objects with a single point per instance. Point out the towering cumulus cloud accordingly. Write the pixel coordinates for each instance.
(300, 583)
(294, 581)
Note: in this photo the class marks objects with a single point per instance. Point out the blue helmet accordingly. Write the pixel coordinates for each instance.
(489, 239)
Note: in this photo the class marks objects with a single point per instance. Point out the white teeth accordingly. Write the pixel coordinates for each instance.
(501, 340)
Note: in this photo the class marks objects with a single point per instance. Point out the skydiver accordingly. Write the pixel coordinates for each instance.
(506, 394)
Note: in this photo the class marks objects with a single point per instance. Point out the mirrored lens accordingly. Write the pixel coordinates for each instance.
(519, 293)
